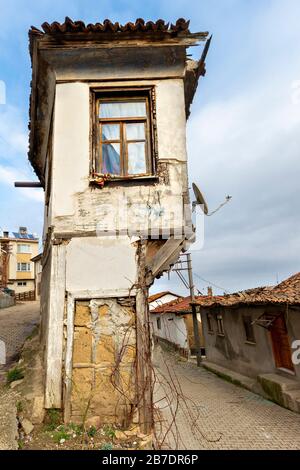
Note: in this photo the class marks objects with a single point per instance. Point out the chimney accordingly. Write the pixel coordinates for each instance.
(5, 234)
(23, 230)
(209, 291)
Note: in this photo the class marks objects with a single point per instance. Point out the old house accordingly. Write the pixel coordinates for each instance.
(254, 335)
(160, 298)
(172, 324)
(108, 115)
(18, 248)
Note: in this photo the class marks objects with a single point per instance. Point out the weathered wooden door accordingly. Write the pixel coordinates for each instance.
(281, 345)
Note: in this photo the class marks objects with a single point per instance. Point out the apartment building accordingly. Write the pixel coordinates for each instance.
(21, 247)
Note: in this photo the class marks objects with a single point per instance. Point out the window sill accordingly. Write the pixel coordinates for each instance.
(211, 332)
(103, 180)
(251, 343)
(221, 335)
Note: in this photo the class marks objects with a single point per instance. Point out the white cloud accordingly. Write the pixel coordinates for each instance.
(8, 176)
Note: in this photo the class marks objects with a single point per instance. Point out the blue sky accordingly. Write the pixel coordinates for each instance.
(243, 134)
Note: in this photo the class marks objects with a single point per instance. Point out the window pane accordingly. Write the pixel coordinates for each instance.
(118, 109)
(136, 158)
(110, 132)
(111, 159)
(135, 131)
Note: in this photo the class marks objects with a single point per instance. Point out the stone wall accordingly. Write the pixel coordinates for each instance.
(104, 353)
(6, 301)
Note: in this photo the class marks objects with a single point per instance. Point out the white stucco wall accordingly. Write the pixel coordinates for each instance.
(74, 204)
(106, 267)
(162, 300)
(173, 328)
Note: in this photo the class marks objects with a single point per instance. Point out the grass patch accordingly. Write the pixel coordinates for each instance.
(17, 373)
(92, 431)
(19, 407)
(109, 432)
(52, 420)
(20, 444)
(59, 435)
(33, 333)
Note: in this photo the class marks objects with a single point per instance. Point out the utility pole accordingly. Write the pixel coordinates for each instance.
(194, 310)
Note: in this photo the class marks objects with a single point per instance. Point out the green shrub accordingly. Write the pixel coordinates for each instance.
(92, 431)
(17, 373)
(106, 446)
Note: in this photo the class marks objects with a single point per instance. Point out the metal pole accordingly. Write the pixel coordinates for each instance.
(194, 310)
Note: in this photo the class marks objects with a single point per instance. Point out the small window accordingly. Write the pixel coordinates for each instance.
(23, 267)
(123, 135)
(158, 322)
(22, 283)
(210, 323)
(22, 248)
(248, 327)
(220, 325)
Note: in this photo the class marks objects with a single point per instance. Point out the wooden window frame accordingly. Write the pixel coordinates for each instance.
(124, 94)
(250, 339)
(209, 318)
(220, 324)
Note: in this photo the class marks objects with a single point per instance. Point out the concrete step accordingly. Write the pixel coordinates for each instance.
(227, 374)
(283, 390)
(285, 383)
(292, 400)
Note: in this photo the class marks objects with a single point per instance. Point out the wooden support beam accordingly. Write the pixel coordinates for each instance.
(54, 342)
(166, 255)
(69, 358)
(144, 365)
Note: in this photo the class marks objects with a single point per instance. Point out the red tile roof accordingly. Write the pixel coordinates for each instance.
(287, 292)
(159, 295)
(139, 26)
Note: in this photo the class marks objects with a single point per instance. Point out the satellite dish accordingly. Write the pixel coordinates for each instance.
(199, 199)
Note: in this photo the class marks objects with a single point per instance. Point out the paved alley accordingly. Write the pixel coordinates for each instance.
(198, 410)
(16, 324)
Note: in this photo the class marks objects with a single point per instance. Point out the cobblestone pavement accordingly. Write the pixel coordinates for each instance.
(203, 411)
(16, 324)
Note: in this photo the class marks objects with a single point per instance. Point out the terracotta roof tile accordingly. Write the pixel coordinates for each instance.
(154, 297)
(287, 292)
(140, 25)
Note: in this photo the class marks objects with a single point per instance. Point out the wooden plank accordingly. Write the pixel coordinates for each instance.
(165, 255)
(54, 342)
(69, 357)
(144, 366)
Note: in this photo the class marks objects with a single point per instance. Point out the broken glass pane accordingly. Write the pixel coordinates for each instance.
(111, 159)
(119, 109)
(137, 158)
(110, 132)
(135, 131)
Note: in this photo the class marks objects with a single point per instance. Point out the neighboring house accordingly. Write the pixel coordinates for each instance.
(156, 300)
(37, 260)
(19, 267)
(108, 113)
(173, 324)
(254, 333)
